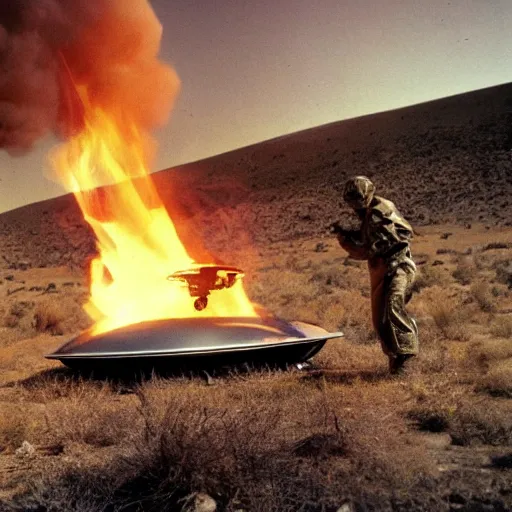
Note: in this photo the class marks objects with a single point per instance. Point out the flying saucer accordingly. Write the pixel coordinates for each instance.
(195, 342)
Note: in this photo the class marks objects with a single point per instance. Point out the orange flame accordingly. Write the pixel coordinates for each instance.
(137, 241)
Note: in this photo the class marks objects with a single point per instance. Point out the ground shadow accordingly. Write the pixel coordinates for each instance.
(58, 375)
(346, 377)
(502, 461)
(126, 381)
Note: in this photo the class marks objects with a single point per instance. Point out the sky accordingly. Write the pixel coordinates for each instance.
(255, 70)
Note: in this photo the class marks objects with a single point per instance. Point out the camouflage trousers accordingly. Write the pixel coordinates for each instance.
(390, 292)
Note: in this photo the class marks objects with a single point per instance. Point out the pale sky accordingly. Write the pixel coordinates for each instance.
(252, 71)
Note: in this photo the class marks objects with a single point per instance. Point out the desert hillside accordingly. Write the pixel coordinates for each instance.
(445, 161)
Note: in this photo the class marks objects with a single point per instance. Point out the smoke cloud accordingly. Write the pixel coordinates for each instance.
(106, 48)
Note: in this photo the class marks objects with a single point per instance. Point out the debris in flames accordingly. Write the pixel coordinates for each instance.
(137, 241)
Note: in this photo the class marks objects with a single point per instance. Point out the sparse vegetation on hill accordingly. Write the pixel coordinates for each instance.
(446, 161)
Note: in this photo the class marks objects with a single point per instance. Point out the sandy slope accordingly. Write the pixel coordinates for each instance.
(444, 161)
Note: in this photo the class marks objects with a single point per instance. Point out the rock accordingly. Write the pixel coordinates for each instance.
(320, 247)
(26, 450)
(346, 507)
(444, 236)
(204, 503)
(23, 265)
(437, 262)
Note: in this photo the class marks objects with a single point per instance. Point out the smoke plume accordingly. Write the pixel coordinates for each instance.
(106, 48)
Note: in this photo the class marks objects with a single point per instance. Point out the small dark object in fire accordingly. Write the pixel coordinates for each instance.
(206, 278)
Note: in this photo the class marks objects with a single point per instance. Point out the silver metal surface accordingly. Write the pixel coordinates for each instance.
(196, 337)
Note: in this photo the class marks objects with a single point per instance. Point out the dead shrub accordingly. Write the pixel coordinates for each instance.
(356, 317)
(344, 355)
(253, 445)
(451, 319)
(484, 423)
(17, 313)
(465, 271)
(89, 416)
(501, 326)
(467, 424)
(498, 381)
(48, 317)
(489, 352)
(429, 276)
(13, 428)
(482, 293)
(329, 277)
(504, 273)
(433, 358)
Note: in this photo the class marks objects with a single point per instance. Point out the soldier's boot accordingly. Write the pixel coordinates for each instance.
(400, 364)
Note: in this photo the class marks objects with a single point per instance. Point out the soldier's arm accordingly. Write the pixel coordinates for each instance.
(351, 242)
(384, 237)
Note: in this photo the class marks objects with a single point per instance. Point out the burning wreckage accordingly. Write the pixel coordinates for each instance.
(150, 300)
(196, 342)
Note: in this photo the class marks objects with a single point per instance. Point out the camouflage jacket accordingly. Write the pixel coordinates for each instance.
(384, 235)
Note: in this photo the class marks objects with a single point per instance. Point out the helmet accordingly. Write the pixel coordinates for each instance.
(358, 192)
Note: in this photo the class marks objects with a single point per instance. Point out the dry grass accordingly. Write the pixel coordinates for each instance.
(466, 270)
(468, 422)
(482, 292)
(449, 316)
(57, 315)
(489, 352)
(19, 314)
(498, 380)
(501, 327)
(430, 275)
(255, 445)
(48, 317)
(13, 428)
(273, 440)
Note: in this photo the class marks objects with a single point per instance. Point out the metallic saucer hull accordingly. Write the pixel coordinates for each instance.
(195, 343)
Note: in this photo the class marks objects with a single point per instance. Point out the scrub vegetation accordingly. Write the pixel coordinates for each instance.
(341, 432)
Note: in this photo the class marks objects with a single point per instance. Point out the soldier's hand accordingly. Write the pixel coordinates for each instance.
(336, 229)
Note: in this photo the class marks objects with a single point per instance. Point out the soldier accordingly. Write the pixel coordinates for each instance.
(383, 240)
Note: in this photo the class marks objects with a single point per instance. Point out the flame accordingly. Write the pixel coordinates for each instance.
(137, 241)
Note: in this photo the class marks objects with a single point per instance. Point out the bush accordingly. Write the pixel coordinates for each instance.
(465, 271)
(18, 311)
(429, 276)
(481, 423)
(498, 380)
(501, 326)
(482, 293)
(451, 319)
(467, 424)
(48, 317)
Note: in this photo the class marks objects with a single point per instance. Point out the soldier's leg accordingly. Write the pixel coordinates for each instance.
(378, 305)
(400, 327)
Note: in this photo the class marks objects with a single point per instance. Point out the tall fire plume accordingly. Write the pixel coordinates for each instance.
(93, 76)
